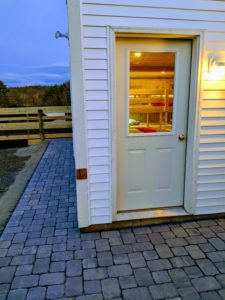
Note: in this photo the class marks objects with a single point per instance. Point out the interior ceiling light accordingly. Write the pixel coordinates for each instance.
(137, 54)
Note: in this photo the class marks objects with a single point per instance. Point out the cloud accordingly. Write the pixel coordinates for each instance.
(45, 75)
(13, 75)
(12, 79)
(58, 64)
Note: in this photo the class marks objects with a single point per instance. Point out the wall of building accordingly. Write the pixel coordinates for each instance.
(211, 166)
(96, 15)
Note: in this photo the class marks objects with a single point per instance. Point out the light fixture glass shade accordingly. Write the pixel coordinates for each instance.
(216, 68)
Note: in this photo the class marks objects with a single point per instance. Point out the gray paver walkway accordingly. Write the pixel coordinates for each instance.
(44, 256)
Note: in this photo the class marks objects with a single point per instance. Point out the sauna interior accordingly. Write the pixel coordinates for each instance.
(151, 90)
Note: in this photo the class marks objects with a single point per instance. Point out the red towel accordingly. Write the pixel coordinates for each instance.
(144, 129)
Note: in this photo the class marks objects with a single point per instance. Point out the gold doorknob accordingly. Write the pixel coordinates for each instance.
(182, 137)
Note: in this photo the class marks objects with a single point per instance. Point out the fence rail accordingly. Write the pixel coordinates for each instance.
(35, 123)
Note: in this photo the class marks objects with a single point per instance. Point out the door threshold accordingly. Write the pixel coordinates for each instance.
(152, 213)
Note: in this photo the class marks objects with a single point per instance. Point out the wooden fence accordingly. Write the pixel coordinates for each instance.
(35, 123)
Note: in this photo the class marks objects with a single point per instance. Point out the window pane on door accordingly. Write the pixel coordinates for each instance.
(151, 92)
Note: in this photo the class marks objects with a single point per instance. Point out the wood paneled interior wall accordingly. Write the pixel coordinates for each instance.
(154, 84)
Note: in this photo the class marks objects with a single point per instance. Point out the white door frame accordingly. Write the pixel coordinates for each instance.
(193, 136)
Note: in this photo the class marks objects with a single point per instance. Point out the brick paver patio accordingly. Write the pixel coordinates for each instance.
(44, 256)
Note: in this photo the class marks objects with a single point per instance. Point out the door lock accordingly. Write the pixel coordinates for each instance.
(182, 137)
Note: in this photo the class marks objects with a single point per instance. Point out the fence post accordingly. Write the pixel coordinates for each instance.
(28, 131)
(41, 127)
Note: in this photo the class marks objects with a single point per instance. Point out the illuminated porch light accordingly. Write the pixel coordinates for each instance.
(216, 69)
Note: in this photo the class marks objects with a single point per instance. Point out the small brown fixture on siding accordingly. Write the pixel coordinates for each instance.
(81, 174)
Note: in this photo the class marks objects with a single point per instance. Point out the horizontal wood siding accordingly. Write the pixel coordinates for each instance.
(201, 15)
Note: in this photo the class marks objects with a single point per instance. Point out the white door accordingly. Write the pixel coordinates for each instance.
(152, 92)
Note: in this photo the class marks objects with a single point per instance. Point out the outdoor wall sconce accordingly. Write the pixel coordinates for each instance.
(215, 62)
(59, 34)
(216, 68)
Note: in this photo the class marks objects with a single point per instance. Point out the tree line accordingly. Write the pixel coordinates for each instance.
(54, 95)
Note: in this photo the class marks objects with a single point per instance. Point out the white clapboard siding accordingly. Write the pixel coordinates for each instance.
(213, 113)
(95, 54)
(101, 85)
(98, 161)
(95, 64)
(211, 178)
(213, 209)
(98, 124)
(214, 95)
(98, 134)
(212, 163)
(212, 186)
(95, 43)
(156, 13)
(96, 187)
(177, 4)
(97, 115)
(157, 23)
(205, 122)
(211, 172)
(100, 195)
(98, 143)
(216, 103)
(95, 31)
(202, 195)
(211, 148)
(97, 15)
(99, 178)
(214, 37)
(102, 211)
(213, 85)
(98, 170)
(212, 154)
(215, 47)
(98, 203)
(206, 131)
(101, 219)
(211, 139)
(96, 74)
(97, 105)
(215, 201)
(96, 95)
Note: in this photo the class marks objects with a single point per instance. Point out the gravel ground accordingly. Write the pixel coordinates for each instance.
(16, 168)
(10, 165)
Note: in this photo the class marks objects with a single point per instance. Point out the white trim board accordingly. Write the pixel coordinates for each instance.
(194, 108)
(78, 107)
(152, 214)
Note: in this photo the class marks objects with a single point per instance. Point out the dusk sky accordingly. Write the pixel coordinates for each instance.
(29, 52)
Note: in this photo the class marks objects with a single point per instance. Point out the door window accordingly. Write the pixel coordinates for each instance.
(151, 92)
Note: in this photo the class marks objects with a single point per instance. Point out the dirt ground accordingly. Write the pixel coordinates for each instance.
(16, 168)
(10, 165)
